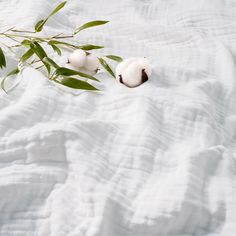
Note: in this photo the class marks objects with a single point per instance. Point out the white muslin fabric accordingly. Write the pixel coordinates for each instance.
(155, 160)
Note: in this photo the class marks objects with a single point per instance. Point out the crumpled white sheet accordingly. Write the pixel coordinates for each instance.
(158, 159)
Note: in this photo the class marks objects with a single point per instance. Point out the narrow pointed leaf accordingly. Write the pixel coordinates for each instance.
(90, 24)
(50, 62)
(56, 49)
(58, 8)
(27, 55)
(13, 72)
(2, 59)
(53, 42)
(114, 58)
(68, 72)
(39, 51)
(40, 24)
(89, 47)
(26, 42)
(107, 67)
(76, 84)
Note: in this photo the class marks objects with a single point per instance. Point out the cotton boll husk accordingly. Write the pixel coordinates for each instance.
(132, 76)
(123, 65)
(78, 58)
(92, 63)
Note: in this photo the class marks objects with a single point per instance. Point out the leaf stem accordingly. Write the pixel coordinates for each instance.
(34, 37)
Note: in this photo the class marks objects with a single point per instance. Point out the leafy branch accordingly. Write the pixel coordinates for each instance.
(35, 54)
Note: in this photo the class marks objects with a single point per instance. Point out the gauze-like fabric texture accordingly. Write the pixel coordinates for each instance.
(155, 160)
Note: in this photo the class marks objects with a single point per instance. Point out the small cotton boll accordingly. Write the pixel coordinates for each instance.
(88, 72)
(133, 71)
(92, 63)
(122, 65)
(77, 58)
(71, 67)
(81, 69)
(146, 66)
(132, 76)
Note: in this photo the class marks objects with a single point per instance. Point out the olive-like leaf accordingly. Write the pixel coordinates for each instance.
(54, 42)
(39, 51)
(13, 72)
(26, 42)
(50, 62)
(88, 47)
(58, 8)
(2, 59)
(90, 24)
(68, 72)
(107, 67)
(76, 84)
(27, 55)
(40, 24)
(56, 49)
(114, 58)
(37, 48)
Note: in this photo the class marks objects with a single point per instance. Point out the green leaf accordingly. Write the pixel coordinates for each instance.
(58, 8)
(2, 59)
(40, 24)
(90, 24)
(68, 72)
(76, 84)
(50, 62)
(39, 51)
(114, 58)
(53, 42)
(88, 47)
(26, 42)
(27, 55)
(56, 49)
(13, 72)
(107, 67)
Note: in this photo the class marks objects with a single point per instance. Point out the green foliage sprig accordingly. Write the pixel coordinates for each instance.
(36, 56)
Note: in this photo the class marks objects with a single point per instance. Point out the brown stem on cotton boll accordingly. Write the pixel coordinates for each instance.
(144, 76)
(121, 80)
(133, 72)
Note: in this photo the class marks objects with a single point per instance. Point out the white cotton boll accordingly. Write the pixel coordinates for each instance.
(122, 65)
(69, 66)
(77, 58)
(88, 72)
(81, 69)
(146, 66)
(133, 71)
(92, 63)
(132, 75)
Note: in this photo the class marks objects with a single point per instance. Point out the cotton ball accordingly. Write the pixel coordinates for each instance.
(92, 63)
(81, 69)
(77, 58)
(133, 72)
(71, 67)
(124, 64)
(146, 66)
(88, 72)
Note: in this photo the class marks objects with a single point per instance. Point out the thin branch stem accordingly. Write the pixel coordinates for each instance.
(34, 37)
(22, 31)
